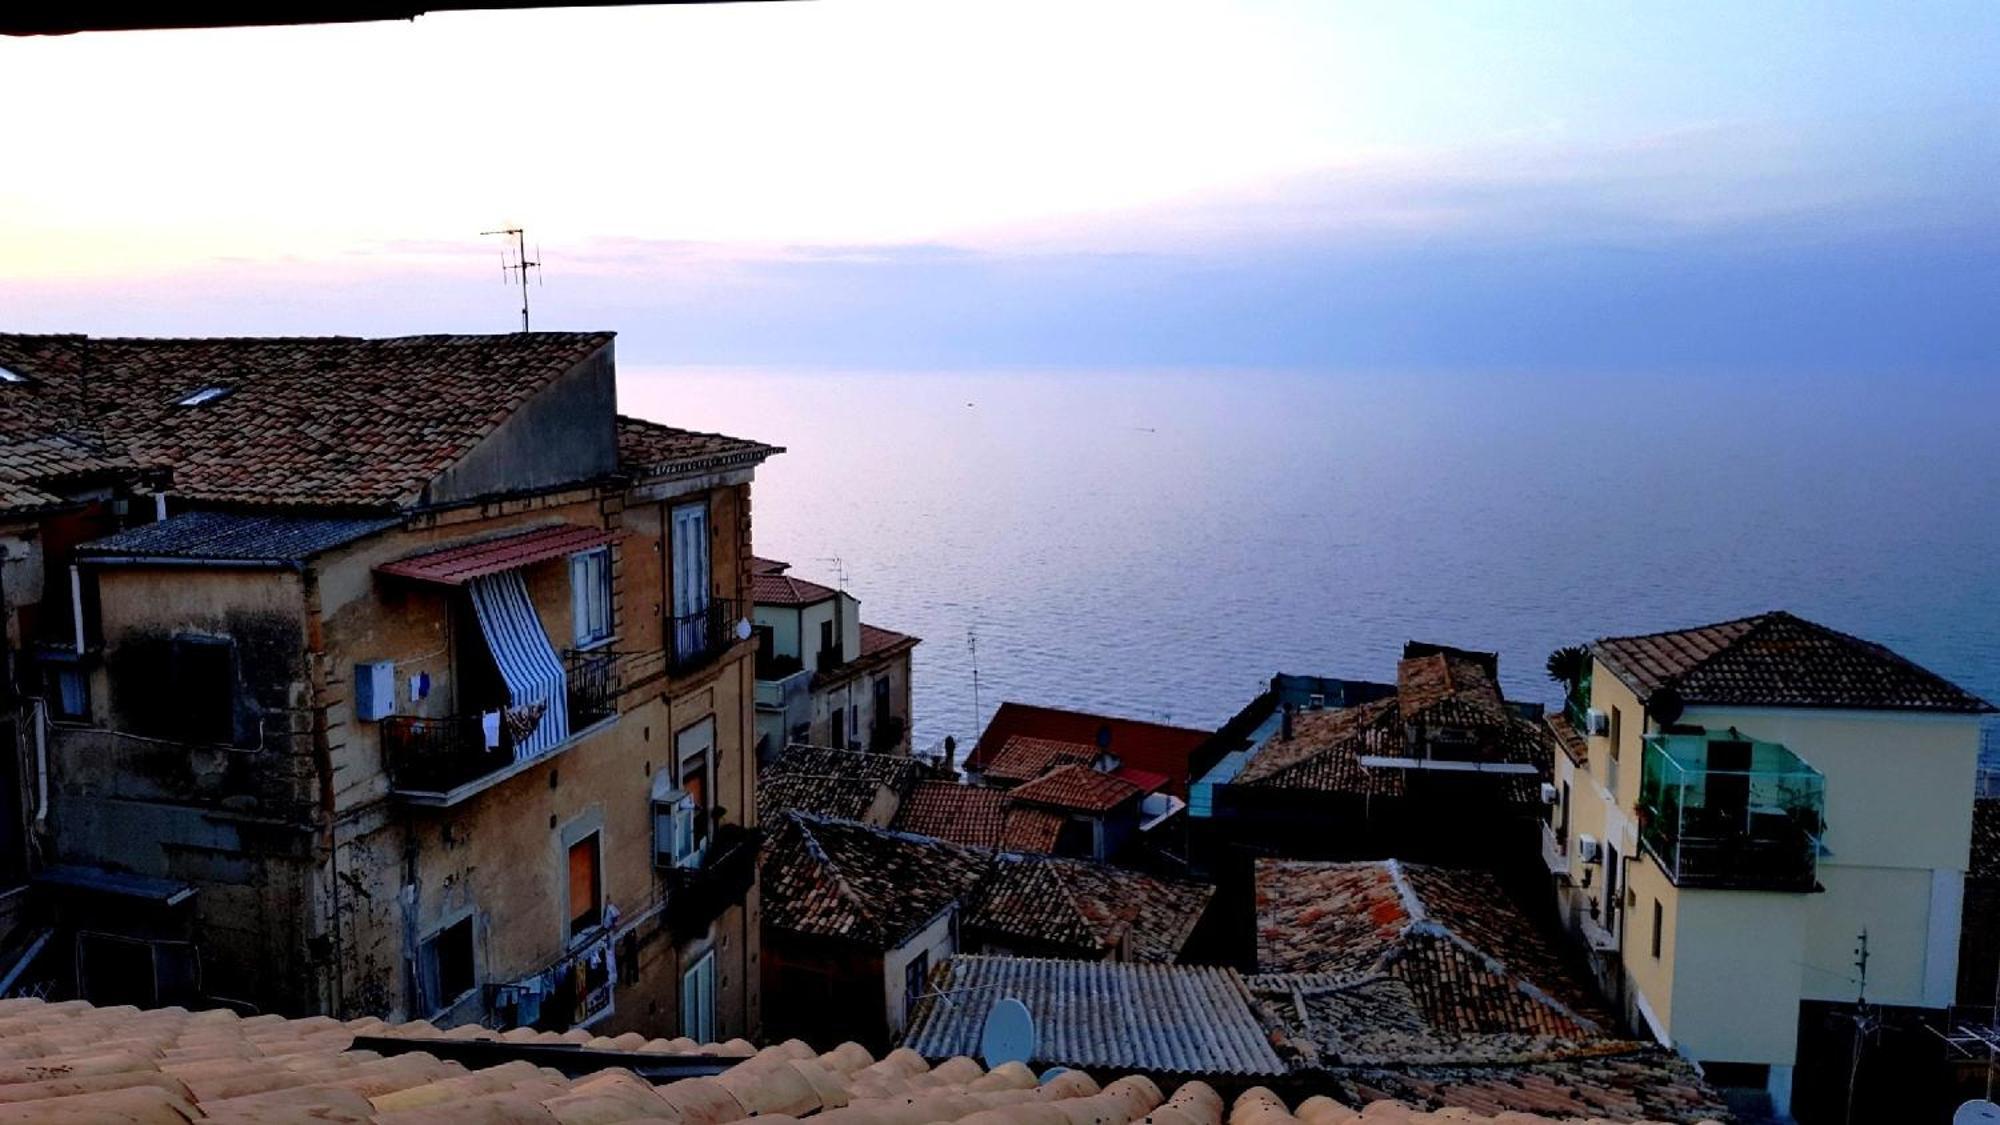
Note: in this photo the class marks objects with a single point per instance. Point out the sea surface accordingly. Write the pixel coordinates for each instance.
(1157, 545)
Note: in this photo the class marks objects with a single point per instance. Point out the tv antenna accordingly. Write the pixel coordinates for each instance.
(972, 647)
(518, 267)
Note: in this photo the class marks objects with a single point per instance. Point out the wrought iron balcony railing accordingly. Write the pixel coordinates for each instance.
(696, 639)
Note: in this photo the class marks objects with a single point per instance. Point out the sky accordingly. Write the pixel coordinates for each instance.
(1015, 184)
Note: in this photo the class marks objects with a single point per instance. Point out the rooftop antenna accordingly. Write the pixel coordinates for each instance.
(972, 646)
(518, 268)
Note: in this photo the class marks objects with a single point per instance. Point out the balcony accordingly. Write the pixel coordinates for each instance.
(695, 640)
(698, 893)
(442, 760)
(1718, 809)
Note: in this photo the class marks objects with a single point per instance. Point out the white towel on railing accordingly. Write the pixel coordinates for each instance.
(528, 662)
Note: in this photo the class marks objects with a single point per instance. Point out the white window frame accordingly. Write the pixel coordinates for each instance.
(428, 982)
(698, 999)
(590, 597)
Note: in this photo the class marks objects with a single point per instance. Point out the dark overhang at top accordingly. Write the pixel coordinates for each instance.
(66, 17)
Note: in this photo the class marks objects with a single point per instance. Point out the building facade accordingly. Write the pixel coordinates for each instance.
(824, 677)
(1735, 806)
(434, 702)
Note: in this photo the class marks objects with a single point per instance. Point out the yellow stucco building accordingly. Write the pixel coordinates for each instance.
(1735, 806)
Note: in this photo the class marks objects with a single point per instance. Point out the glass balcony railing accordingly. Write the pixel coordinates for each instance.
(1718, 809)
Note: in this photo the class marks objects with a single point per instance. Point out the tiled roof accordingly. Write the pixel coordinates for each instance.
(828, 782)
(69, 1061)
(1426, 681)
(1148, 746)
(1032, 830)
(1473, 962)
(838, 879)
(1022, 758)
(962, 814)
(1325, 749)
(1159, 1019)
(783, 589)
(1778, 660)
(237, 537)
(768, 566)
(1088, 909)
(1567, 739)
(322, 421)
(649, 449)
(1369, 1035)
(1985, 839)
(876, 641)
(1078, 788)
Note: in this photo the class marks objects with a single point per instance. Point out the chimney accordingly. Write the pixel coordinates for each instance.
(1285, 730)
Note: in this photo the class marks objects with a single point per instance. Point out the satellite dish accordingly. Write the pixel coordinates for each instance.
(1666, 705)
(1009, 1034)
(1978, 1111)
(742, 628)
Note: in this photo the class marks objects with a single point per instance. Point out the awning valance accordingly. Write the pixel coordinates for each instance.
(456, 566)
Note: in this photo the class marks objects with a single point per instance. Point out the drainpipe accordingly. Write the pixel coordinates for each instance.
(76, 604)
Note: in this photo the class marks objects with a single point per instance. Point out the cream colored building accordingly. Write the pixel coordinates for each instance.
(1735, 806)
(825, 678)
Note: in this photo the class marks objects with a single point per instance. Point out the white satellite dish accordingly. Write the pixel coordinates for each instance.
(742, 628)
(1009, 1034)
(1978, 1111)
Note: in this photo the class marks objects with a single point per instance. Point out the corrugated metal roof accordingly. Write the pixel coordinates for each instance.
(455, 566)
(236, 537)
(1161, 1019)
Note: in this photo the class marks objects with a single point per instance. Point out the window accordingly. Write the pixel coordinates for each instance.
(7, 376)
(1612, 895)
(694, 753)
(1562, 829)
(590, 595)
(1611, 766)
(586, 884)
(698, 1000)
(445, 961)
(203, 681)
(836, 729)
(204, 396)
(690, 559)
(1659, 920)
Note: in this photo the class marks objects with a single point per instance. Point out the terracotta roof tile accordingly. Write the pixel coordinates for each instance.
(840, 879)
(1024, 758)
(783, 589)
(1078, 788)
(649, 449)
(839, 783)
(1778, 660)
(319, 421)
(1149, 746)
(961, 814)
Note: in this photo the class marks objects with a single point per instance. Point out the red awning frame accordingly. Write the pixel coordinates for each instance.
(456, 566)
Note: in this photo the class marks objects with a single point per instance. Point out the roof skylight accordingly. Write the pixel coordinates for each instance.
(204, 396)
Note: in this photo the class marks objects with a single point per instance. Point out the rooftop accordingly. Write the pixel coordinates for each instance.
(75, 1062)
(1172, 1019)
(1091, 909)
(1473, 962)
(237, 537)
(1156, 747)
(777, 588)
(963, 814)
(1023, 757)
(649, 449)
(311, 421)
(1077, 788)
(839, 879)
(1985, 839)
(1778, 659)
(839, 783)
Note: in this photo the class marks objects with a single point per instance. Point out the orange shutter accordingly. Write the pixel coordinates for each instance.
(583, 881)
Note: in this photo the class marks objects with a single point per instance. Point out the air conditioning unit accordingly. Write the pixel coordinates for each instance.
(1549, 793)
(1596, 722)
(1315, 702)
(1586, 849)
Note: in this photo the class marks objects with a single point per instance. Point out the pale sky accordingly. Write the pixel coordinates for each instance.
(969, 183)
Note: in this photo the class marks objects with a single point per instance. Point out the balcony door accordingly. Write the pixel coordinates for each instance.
(698, 1000)
(690, 579)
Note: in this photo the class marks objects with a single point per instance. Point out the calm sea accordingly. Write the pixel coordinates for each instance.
(1158, 545)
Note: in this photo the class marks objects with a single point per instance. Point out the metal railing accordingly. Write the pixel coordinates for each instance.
(595, 677)
(695, 639)
(698, 894)
(440, 754)
(1754, 827)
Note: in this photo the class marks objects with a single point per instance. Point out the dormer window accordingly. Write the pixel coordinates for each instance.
(204, 396)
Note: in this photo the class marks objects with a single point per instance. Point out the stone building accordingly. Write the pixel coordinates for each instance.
(395, 677)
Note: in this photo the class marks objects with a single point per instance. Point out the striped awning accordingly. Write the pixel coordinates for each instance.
(456, 566)
(536, 688)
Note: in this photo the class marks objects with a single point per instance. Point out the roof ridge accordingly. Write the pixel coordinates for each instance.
(1748, 617)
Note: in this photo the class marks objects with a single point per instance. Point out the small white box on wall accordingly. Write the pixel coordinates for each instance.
(375, 690)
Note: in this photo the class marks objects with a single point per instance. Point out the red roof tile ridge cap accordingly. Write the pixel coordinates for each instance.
(1521, 983)
(1413, 905)
(1747, 619)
